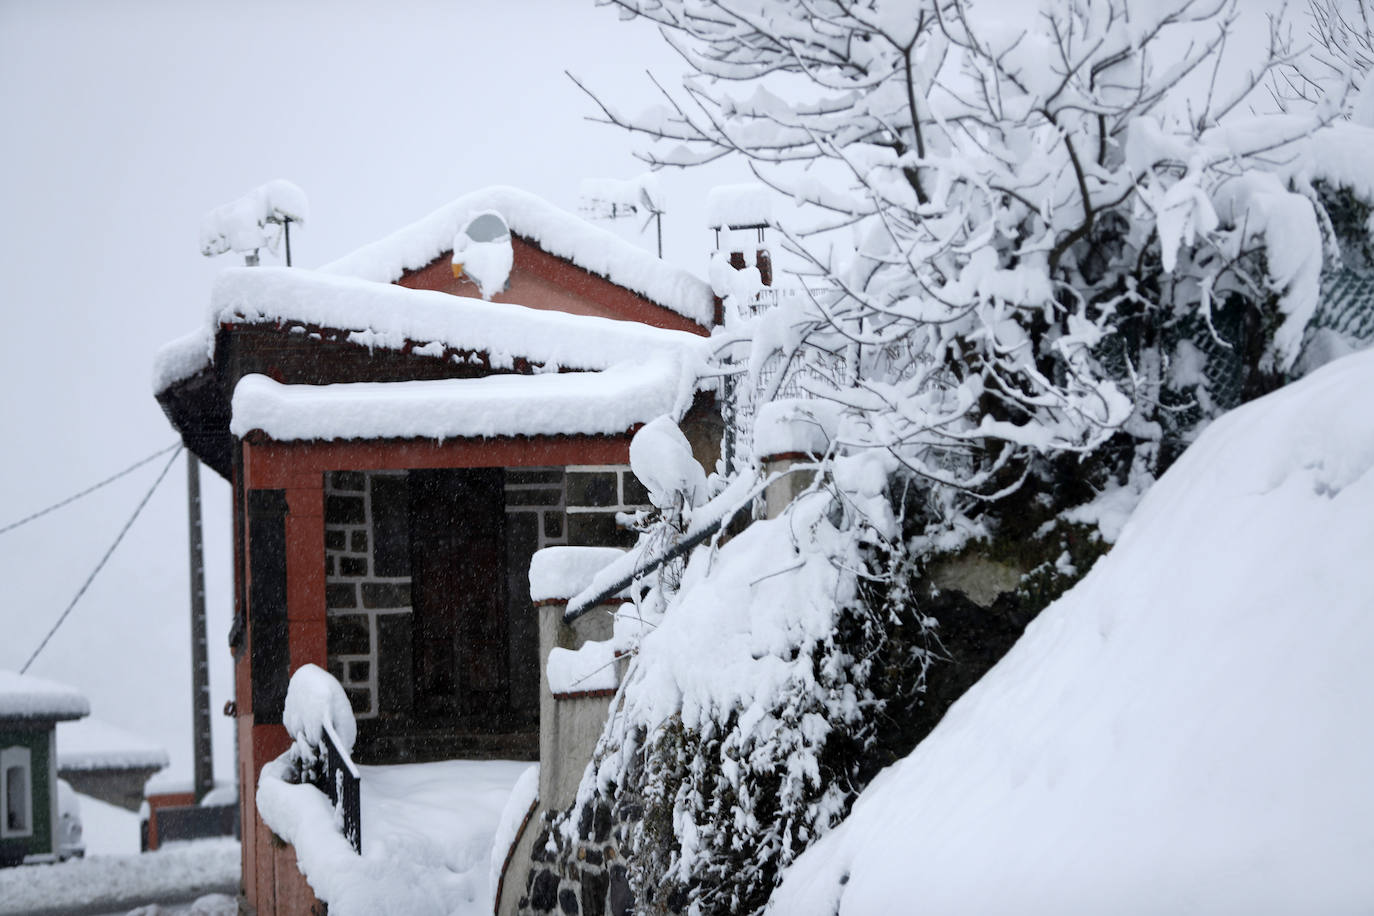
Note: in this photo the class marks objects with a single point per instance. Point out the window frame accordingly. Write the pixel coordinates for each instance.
(12, 758)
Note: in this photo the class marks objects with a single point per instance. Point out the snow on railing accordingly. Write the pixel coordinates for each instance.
(338, 778)
(320, 719)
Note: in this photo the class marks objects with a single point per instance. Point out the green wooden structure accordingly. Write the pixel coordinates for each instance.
(30, 709)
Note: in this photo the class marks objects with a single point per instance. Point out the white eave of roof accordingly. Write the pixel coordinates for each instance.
(23, 696)
(387, 316)
(554, 230)
(608, 402)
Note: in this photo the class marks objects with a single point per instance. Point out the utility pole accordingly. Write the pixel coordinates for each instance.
(203, 762)
(243, 226)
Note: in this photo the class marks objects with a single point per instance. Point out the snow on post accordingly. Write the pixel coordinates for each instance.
(250, 223)
(739, 206)
(314, 702)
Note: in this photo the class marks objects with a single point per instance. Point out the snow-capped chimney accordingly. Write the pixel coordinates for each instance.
(743, 213)
(740, 214)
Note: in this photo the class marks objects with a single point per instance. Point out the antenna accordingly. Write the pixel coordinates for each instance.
(250, 223)
(610, 198)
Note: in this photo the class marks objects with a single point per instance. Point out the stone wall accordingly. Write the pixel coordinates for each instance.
(367, 588)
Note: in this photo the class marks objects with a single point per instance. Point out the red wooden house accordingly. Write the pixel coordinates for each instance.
(399, 449)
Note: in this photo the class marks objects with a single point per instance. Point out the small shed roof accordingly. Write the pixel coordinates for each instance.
(23, 696)
(610, 402)
(91, 744)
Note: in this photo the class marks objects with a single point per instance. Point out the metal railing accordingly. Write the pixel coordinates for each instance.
(338, 778)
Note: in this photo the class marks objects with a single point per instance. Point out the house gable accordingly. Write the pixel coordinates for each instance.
(544, 281)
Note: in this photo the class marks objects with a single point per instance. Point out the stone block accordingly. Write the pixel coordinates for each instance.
(635, 494)
(358, 542)
(344, 510)
(386, 594)
(598, 530)
(360, 698)
(518, 476)
(544, 892)
(348, 634)
(525, 497)
(353, 566)
(593, 488)
(334, 540)
(340, 595)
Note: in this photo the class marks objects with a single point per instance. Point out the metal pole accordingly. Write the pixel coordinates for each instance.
(286, 230)
(202, 757)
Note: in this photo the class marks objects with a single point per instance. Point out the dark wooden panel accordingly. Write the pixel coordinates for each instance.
(268, 633)
(457, 550)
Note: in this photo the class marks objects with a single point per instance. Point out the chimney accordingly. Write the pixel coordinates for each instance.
(734, 210)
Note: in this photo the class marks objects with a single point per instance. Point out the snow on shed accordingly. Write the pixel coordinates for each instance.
(23, 696)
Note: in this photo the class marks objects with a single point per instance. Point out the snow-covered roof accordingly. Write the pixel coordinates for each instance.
(90, 744)
(554, 230)
(23, 696)
(387, 316)
(576, 403)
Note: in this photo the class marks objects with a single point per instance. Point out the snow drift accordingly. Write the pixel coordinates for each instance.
(1186, 730)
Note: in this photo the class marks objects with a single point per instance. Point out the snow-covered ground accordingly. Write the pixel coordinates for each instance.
(427, 832)
(177, 870)
(1187, 730)
(108, 830)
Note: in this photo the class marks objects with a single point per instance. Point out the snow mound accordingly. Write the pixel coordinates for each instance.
(661, 457)
(315, 700)
(554, 230)
(590, 667)
(23, 696)
(562, 571)
(1187, 730)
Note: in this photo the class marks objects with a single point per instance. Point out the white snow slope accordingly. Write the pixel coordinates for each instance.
(1186, 731)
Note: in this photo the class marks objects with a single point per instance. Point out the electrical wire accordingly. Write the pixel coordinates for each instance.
(91, 489)
(101, 565)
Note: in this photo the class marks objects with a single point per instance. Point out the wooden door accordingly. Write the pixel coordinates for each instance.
(458, 593)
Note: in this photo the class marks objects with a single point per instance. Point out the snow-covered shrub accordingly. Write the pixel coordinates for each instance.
(1047, 245)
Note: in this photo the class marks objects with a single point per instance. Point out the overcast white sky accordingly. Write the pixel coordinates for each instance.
(121, 123)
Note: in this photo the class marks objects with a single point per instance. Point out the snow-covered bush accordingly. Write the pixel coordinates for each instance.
(1046, 246)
